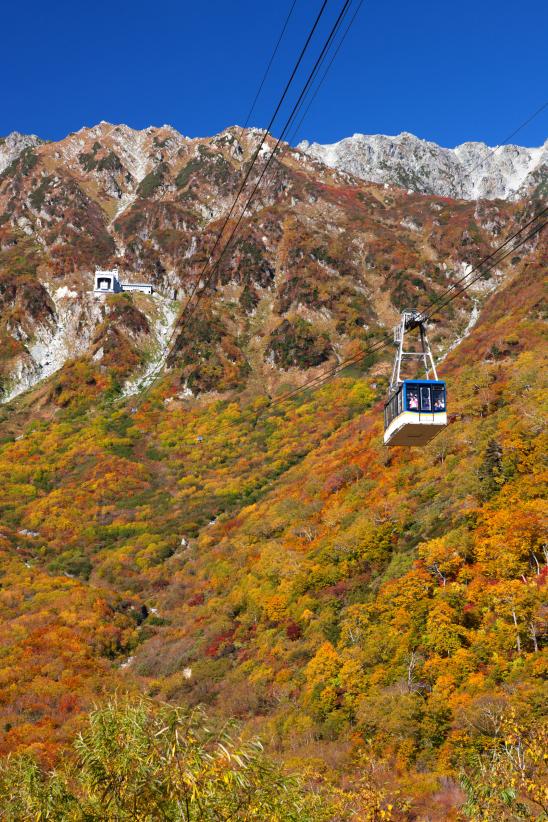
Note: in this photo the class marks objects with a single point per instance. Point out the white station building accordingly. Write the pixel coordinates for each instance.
(108, 282)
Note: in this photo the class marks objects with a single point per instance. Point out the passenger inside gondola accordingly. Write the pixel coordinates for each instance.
(413, 398)
(438, 397)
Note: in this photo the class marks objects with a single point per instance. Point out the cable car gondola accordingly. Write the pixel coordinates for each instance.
(416, 409)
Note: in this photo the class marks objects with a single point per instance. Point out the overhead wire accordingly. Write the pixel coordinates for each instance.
(535, 231)
(322, 379)
(259, 147)
(504, 142)
(291, 137)
(318, 87)
(189, 309)
(278, 142)
(196, 284)
(269, 66)
(489, 256)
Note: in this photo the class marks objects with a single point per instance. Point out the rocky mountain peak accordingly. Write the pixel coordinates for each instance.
(470, 171)
(13, 144)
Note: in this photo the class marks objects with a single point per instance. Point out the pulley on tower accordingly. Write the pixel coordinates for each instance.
(416, 408)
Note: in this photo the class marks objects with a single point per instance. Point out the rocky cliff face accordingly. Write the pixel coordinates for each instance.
(471, 171)
(322, 264)
(13, 145)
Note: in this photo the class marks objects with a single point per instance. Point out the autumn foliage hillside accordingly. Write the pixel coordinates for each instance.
(377, 616)
(282, 566)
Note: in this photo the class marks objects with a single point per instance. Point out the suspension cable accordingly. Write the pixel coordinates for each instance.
(269, 66)
(196, 284)
(489, 256)
(272, 153)
(188, 310)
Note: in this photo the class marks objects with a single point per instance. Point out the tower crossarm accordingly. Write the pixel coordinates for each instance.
(409, 321)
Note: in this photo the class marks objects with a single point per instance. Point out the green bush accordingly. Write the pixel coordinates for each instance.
(38, 196)
(74, 563)
(109, 163)
(152, 181)
(298, 343)
(143, 761)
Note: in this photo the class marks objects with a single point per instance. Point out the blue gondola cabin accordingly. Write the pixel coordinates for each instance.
(415, 412)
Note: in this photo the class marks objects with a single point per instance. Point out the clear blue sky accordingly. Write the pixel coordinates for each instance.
(446, 71)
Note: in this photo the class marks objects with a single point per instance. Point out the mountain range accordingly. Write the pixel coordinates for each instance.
(150, 203)
(471, 171)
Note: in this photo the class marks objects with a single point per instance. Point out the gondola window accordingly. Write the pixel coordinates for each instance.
(426, 403)
(438, 397)
(413, 398)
